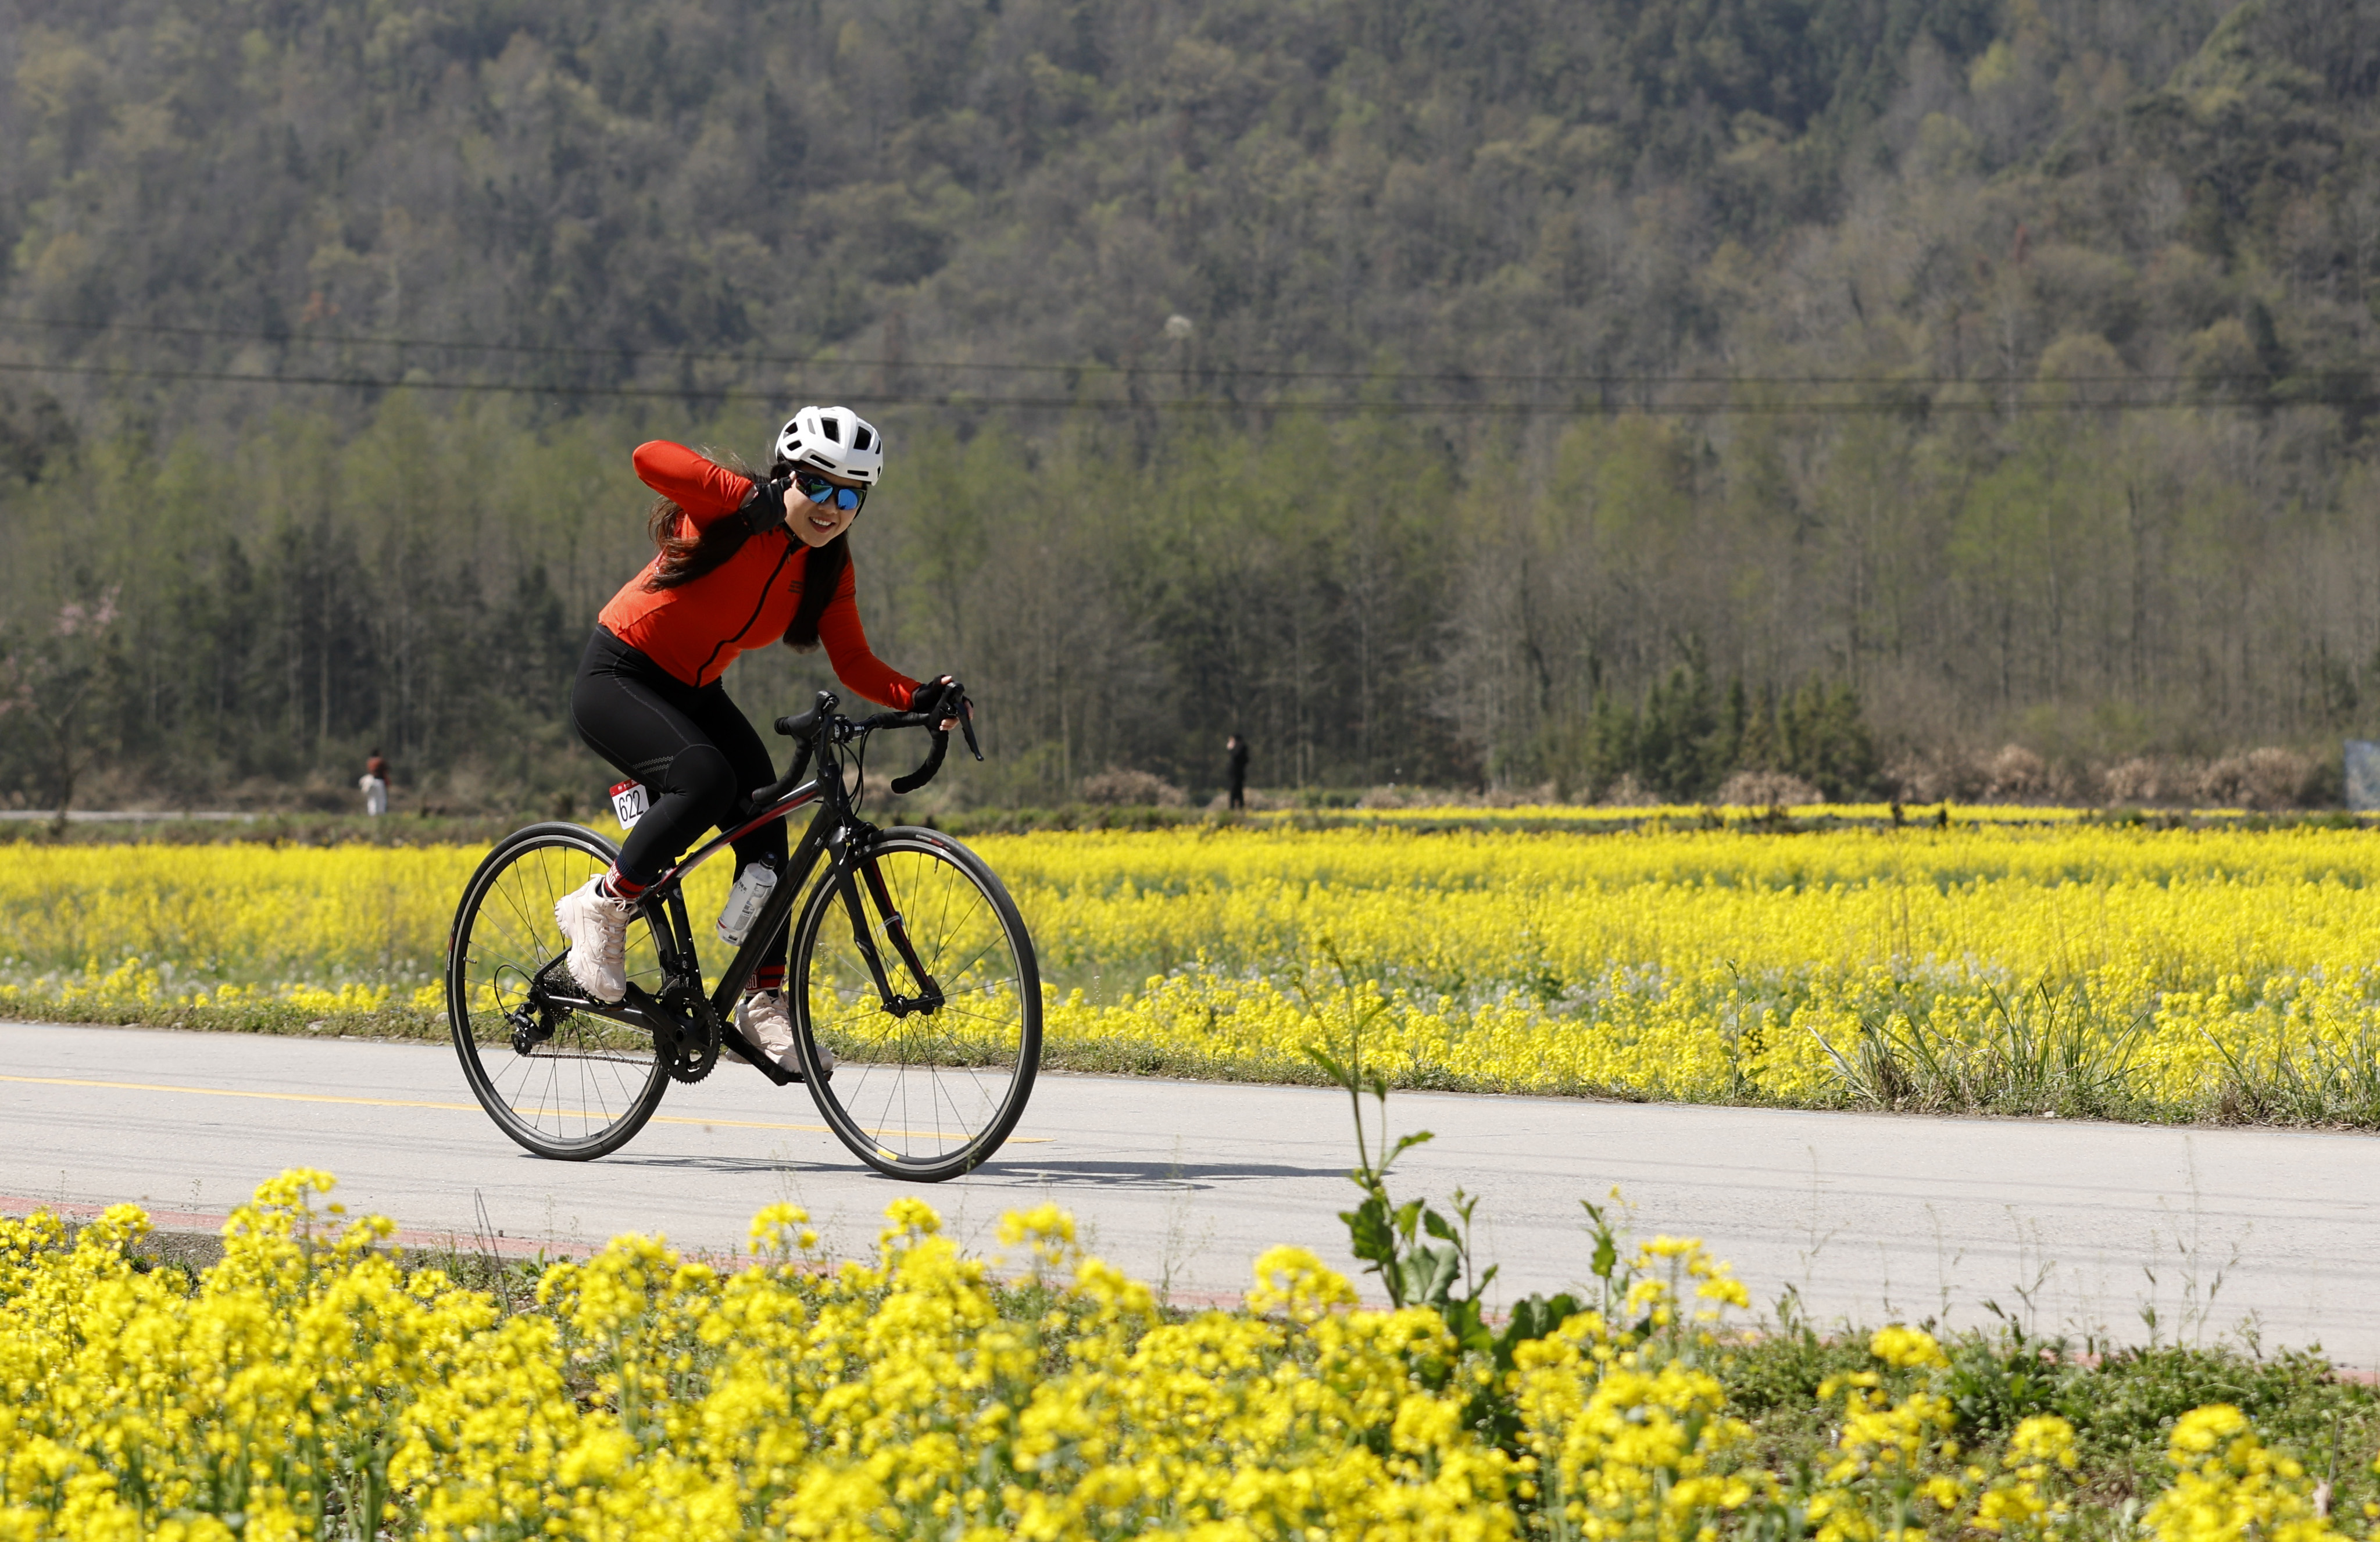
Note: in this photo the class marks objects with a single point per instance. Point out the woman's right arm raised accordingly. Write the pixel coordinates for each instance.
(704, 490)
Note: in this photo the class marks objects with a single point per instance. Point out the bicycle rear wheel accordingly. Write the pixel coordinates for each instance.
(563, 1083)
(928, 1083)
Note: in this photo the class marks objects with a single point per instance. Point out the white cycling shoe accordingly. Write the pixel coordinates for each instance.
(596, 926)
(763, 1020)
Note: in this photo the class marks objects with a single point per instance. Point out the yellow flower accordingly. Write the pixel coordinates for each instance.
(1672, 963)
(1906, 1348)
(781, 1229)
(2231, 1484)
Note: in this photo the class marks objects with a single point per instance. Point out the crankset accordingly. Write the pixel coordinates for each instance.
(689, 1045)
(685, 1029)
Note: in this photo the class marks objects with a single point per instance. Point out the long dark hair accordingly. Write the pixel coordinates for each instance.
(685, 558)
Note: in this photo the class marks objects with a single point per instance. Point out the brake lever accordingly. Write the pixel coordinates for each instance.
(801, 728)
(966, 726)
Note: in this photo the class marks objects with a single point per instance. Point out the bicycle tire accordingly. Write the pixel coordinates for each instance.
(587, 1090)
(932, 1094)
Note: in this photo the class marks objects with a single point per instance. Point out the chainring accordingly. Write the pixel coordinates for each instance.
(696, 1047)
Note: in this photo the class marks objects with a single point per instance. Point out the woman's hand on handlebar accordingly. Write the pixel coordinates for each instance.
(947, 693)
(948, 699)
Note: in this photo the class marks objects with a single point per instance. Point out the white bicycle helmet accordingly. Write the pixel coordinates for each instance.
(835, 440)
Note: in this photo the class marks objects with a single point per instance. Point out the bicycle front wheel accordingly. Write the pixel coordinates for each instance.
(562, 1083)
(936, 1054)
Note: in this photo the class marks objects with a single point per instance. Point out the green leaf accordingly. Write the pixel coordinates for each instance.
(1330, 1067)
(1434, 1269)
(1469, 1326)
(1368, 1236)
(1606, 1243)
(1533, 1318)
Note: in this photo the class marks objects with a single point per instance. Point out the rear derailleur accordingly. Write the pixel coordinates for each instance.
(534, 1020)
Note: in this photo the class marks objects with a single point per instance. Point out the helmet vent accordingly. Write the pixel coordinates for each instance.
(859, 438)
(832, 428)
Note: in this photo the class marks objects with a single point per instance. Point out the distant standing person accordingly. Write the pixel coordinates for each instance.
(1236, 751)
(375, 785)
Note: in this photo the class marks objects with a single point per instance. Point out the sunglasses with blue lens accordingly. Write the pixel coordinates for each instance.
(817, 490)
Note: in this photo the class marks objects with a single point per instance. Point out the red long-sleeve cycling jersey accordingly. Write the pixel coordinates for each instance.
(695, 630)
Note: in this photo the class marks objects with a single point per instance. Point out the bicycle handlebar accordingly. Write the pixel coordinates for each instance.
(801, 728)
(805, 727)
(928, 768)
(948, 700)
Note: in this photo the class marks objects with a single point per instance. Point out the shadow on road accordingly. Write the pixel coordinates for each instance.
(720, 1164)
(1009, 1174)
(1147, 1176)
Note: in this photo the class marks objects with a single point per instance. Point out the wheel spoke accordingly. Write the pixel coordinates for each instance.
(926, 1094)
(593, 1082)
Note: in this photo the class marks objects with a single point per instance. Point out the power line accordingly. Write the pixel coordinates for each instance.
(1874, 405)
(1605, 380)
(793, 360)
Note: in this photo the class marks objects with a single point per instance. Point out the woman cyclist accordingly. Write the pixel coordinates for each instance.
(741, 563)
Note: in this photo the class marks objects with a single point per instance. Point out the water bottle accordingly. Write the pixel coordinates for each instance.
(744, 900)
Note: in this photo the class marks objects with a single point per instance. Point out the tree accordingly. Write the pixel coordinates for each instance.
(56, 684)
(1822, 738)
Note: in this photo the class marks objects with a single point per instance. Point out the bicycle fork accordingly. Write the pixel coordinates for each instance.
(929, 997)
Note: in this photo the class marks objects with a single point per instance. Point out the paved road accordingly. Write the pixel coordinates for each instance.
(2070, 1226)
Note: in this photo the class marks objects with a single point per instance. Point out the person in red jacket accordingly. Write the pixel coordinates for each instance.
(742, 562)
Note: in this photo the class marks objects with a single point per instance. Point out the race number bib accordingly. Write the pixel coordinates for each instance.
(629, 801)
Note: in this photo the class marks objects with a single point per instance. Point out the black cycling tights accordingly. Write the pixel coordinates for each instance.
(694, 751)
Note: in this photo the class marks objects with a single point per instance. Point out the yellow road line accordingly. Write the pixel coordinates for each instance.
(452, 1108)
(230, 1092)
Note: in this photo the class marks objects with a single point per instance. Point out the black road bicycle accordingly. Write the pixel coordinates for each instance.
(909, 963)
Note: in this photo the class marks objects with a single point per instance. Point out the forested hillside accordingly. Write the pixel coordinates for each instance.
(1433, 390)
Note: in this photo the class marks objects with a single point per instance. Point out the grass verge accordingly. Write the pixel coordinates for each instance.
(1881, 1082)
(2123, 1405)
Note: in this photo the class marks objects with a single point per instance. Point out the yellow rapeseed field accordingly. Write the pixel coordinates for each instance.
(2078, 967)
(310, 1385)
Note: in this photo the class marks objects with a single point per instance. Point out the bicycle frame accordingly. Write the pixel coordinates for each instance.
(828, 836)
